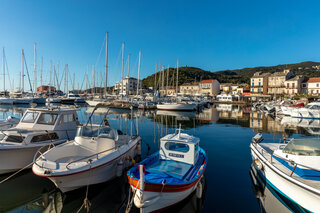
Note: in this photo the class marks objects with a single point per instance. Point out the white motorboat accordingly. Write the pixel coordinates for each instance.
(95, 102)
(37, 128)
(292, 168)
(170, 175)
(97, 154)
(311, 111)
(177, 106)
(72, 98)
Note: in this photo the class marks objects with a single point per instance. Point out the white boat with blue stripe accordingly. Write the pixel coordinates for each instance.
(291, 167)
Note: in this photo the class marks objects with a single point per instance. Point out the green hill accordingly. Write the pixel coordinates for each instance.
(191, 74)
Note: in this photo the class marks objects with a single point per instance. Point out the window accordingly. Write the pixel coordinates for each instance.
(15, 138)
(293, 85)
(317, 85)
(177, 147)
(252, 90)
(47, 118)
(30, 117)
(67, 118)
(45, 137)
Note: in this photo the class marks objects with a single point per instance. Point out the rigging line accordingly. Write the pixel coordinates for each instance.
(6, 62)
(83, 81)
(98, 59)
(25, 62)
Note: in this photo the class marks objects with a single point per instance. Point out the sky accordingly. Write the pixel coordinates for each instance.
(212, 35)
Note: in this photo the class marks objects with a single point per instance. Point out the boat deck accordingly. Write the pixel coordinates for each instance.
(269, 147)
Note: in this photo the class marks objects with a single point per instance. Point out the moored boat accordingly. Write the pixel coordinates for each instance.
(38, 128)
(177, 106)
(170, 175)
(292, 168)
(311, 111)
(98, 153)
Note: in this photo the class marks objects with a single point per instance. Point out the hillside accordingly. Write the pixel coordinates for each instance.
(191, 74)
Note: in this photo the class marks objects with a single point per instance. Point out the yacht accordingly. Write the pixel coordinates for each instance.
(72, 98)
(97, 154)
(311, 111)
(41, 127)
(291, 167)
(170, 175)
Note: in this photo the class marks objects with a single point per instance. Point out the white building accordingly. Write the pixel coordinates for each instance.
(293, 85)
(210, 87)
(129, 86)
(311, 86)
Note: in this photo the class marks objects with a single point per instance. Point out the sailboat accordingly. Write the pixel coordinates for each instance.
(177, 105)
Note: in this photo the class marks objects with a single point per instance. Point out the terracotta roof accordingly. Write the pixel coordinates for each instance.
(313, 80)
(207, 81)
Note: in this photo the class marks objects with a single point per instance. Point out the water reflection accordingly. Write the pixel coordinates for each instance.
(270, 200)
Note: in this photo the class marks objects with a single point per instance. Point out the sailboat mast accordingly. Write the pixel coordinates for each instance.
(50, 74)
(167, 80)
(138, 82)
(22, 72)
(4, 72)
(106, 75)
(177, 77)
(35, 70)
(122, 68)
(155, 79)
(87, 79)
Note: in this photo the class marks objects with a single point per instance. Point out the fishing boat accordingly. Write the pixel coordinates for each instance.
(311, 111)
(291, 167)
(98, 153)
(170, 175)
(41, 127)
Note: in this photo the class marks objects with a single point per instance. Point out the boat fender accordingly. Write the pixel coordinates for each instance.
(199, 190)
(257, 164)
(139, 204)
(119, 168)
(138, 148)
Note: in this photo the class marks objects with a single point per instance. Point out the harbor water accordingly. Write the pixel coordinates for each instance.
(225, 132)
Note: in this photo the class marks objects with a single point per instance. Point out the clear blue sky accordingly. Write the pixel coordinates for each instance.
(212, 35)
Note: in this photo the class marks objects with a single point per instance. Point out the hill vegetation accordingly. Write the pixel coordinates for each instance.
(192, 74)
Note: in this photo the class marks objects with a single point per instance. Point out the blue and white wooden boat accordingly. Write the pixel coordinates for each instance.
(291, 167)
(170, 175)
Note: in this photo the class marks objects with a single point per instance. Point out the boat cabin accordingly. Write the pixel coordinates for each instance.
(180, 147)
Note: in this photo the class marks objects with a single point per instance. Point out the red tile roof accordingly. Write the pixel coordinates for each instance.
(207, 81)
(313, 80)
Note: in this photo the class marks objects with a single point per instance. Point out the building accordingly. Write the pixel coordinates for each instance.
(192, 89)
(210, 87)
(129, 86)
(293, 85)
(259, 83)
(311, 86)
(46, 89)
(276, 82)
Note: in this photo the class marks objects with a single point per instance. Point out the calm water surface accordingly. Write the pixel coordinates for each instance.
(225, 132)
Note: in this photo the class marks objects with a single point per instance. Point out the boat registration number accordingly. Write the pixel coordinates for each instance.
(176, 155)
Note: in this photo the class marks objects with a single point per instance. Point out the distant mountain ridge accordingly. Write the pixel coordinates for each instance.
(192, 74)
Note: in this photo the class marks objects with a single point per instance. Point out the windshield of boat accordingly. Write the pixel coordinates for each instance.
(30, 117)
(177, 147)
(313, 107)
(47, 118)
(95, 131)
(309, 147)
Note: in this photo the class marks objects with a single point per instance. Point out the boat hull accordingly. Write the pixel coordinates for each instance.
(95, 174)
(177, 107)
(294, 190)
(305, 113)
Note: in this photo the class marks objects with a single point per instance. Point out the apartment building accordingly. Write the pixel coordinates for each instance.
(276, 82)
(311, 86)
(190, 89)
(210, 87)
(259, 83)
(293, 85)
(129, 86)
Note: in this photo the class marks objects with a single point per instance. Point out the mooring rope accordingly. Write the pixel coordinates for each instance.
(4, 180)
(86, 202)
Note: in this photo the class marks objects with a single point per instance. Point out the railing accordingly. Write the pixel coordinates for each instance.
(293, 163)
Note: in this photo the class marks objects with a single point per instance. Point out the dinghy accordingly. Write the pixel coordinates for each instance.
(98, 153)
(170, 175)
